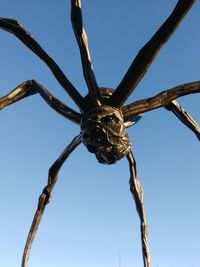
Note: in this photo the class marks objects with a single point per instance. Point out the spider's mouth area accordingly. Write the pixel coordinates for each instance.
(104, 134)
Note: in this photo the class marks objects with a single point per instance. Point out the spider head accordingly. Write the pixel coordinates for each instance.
(103, 133)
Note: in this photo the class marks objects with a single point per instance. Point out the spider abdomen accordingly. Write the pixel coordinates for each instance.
(103, 133)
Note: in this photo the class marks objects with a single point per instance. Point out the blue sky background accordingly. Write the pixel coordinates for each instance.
(92, 216)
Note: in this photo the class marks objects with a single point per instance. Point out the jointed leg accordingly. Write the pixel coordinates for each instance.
(184, 117)
(81, 37)
(147, 54)
(166, 99)
(136, 190)
(179, 112)
(14, 27)
(46, 194)
(160, 100)
(32, 87)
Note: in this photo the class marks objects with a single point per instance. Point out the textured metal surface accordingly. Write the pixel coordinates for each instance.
(104, 134)
(103, 118)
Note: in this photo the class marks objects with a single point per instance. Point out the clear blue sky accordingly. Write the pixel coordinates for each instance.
(92, 216)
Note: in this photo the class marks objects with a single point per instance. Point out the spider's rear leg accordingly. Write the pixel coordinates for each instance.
(32, 87)
(46, 194)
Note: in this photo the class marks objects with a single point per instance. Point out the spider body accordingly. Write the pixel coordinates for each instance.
(104, 134)
(103, 129)
(103, 115)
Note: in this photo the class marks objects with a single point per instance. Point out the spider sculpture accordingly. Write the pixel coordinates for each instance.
(103, 117)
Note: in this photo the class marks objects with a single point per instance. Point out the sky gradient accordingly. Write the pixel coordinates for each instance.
(92, 217)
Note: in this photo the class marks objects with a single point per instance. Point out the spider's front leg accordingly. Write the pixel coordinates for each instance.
(46, 194)
(137, 192)
(16, 28)
(147, 54)
(32, 87)
(81, 37)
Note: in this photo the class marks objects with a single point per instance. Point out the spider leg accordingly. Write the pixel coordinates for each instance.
(184, 117)
(81, 37)
(14, 27)
(32, 87)
(166, 99)
(45, 196)
(147, 54)
(137, 192)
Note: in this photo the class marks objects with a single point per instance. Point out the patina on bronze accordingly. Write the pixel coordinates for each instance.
(103, 117)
